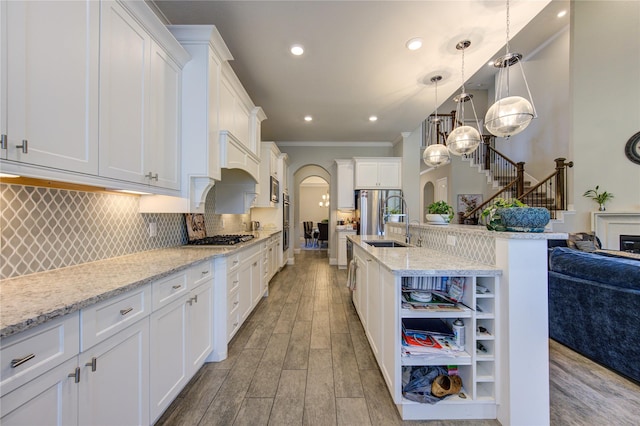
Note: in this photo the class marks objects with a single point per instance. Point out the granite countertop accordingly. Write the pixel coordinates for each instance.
(420, 260)
(33, 299)
(482, 230)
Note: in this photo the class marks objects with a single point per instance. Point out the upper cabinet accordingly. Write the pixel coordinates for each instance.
(94, 94)
(140, 87)
(346, 198)
(269, 167)
(378, 173)
(50, 62)
(221, 129)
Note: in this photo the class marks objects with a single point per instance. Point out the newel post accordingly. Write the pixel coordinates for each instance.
(561, 182)
(520, 176)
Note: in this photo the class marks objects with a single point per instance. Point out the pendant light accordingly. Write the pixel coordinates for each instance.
(464, 140)
(436, 154)
(509, 115)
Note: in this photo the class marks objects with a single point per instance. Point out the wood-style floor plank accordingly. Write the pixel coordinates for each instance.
(301, 358)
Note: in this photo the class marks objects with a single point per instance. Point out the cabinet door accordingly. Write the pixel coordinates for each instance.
(124, 77)
(117, 392)
(167, 357)
(342, 249)
(245, 290)
(3, 79)
(50, 399)
(390, 174)
(163, 154)
(366, 174)
(374, 306)
(346, 199)
(51, 54)
(390, 340)
(200, 331)
(361, 286)
(256, 280)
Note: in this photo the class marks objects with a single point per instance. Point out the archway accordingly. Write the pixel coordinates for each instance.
(314, 208)
(322, 177)
(428, 195)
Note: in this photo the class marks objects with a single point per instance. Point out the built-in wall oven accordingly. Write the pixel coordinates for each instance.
(285, 221)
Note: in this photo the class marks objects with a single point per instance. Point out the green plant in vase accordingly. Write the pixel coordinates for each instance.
(439, 212)
(490, 214)
(599, 197)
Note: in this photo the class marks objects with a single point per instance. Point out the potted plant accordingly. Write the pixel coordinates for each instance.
(394, 214)
(515, 216)
(439, 213)
(598, 197)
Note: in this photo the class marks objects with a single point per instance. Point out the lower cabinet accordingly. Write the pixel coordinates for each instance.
(118, 362)
(114, 379)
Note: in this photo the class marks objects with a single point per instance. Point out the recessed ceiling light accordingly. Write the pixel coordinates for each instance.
(562, 13)
(373, 118)
(308, 118)
(414, 43)
(297, 50)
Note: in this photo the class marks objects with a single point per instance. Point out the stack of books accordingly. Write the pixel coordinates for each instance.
(428, 337)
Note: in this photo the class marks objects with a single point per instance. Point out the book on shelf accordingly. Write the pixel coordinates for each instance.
(431, 326)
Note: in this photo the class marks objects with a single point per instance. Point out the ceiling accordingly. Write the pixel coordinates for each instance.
(355, 63)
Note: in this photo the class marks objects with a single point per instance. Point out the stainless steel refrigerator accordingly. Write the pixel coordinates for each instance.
(373, 207)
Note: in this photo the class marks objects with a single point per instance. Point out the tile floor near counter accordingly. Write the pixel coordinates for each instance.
(302, 358)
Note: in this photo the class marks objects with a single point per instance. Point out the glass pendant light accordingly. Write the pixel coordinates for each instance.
(464, 140)
(509, 115)
(436, 154)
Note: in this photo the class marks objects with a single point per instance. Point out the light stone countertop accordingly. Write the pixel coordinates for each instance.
(412, 261)
(34, 299)
(482, 230)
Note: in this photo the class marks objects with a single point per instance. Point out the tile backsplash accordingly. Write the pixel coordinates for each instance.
(47, 228)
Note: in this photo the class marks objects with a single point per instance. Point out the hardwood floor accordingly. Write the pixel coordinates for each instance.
(302, 358)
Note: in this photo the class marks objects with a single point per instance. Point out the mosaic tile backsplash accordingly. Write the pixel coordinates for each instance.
(46, 228)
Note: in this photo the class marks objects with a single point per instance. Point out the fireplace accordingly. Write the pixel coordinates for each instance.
(611, 226)
(630, 243)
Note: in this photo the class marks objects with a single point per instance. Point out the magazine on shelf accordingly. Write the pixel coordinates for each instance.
(432, 326)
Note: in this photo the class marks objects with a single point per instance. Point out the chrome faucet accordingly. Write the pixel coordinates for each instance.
(404, 208)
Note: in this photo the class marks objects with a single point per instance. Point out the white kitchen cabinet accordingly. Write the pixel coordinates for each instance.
(236, 108)
(50, 54)
(139, 108)
(360, 294)
(114, 385)
(256, 279)
(200, 325)
(50, 399)
(269, 167)
(342, 247)
(346, 198)
(378, 173)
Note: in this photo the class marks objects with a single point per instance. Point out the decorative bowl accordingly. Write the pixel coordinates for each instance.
(524, 219)
(437, 219)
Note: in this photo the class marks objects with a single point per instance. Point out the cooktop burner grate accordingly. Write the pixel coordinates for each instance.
(222, 240)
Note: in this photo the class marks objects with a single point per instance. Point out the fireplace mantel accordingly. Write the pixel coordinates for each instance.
(608, 226)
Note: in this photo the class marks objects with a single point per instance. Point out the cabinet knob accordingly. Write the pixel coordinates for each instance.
(24, 146)
(151, 176)
(93, 363)
(76, 375)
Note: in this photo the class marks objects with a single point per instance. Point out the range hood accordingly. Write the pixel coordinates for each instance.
(236, 183)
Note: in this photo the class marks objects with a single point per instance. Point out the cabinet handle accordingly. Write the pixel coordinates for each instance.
(235, 324)
(24, 146)
(125, 311)
(195, 298)
(177, 286)
(151, 176)
(205, 272)
(236, 282)
(3, 141)
(235, 262)
(190, 302)
(235, 303)
(93, 364)
(75, 375)
(255, 263)
(17, 362)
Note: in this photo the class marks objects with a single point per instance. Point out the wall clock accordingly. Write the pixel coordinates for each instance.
(632, 148)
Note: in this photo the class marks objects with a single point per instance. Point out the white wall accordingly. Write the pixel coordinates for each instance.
(310, 196)
(605, 100)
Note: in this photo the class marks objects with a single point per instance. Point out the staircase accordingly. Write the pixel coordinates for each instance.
(505, 175)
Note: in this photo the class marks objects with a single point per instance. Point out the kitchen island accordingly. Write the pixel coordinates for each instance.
(518, 367)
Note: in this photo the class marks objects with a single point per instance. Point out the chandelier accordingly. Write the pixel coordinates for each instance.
(463, 139)
(325, 200)
(509, 115)
(436, 154)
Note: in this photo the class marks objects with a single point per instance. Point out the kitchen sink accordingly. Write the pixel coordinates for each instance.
(385, 243)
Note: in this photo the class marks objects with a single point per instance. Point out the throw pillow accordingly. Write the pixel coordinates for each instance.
(583, 236)
(587, 246)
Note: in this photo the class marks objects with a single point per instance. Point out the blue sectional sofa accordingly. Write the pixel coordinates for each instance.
(594, 307)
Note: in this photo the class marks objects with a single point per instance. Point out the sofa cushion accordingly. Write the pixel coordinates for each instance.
(592, 266)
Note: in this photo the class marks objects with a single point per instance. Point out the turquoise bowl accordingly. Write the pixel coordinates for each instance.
(524, 219)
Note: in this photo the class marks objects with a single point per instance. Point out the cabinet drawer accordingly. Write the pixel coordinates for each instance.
(233, 282)
(200, 273)
(233, 262)
(39, 349)
(166, 290)
(233, 302)
(106, 318)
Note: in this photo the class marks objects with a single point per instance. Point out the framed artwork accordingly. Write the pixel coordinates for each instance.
(468, 202)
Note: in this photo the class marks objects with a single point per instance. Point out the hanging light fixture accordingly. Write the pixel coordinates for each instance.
(464, 140)
(325, 200)
(509, 115)
(436, 154)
